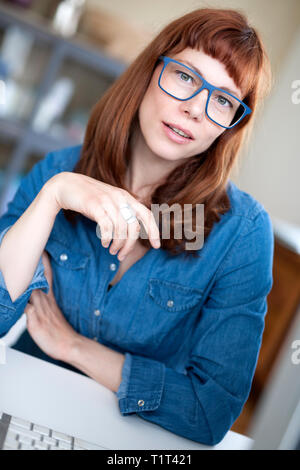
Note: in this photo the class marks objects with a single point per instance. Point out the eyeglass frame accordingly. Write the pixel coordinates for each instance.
(206, 86)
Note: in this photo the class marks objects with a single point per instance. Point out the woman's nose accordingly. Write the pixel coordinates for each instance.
(196, 105)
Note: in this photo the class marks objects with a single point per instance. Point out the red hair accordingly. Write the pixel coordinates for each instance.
(224, 34)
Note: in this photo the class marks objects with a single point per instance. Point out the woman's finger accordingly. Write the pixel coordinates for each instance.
(147, 217)
(111, 206)
(133, 235)
(106, 222)
(35, 298)
(29, 308)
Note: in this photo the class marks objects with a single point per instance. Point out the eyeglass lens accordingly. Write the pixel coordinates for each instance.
(182, 83)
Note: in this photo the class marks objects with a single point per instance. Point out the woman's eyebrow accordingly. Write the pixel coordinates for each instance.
(200, 73)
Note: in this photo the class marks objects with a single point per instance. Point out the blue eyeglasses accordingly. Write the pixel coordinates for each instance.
(183, 83)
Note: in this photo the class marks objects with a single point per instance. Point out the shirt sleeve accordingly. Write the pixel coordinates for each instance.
(29, 187)
(203, 403)
(11, 311)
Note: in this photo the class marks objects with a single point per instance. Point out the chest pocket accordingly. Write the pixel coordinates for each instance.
(173, 297)
(69, 273)
(165, 312)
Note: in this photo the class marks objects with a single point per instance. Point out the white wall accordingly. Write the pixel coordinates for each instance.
(271, 168)
(277, 20)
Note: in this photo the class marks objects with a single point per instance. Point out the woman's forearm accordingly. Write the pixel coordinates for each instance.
(24, 242)
(97, 361)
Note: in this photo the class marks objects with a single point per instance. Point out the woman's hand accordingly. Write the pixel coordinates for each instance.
(45, 323)
(101, 202)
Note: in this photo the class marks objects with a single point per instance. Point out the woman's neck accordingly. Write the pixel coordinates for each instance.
(145, 170)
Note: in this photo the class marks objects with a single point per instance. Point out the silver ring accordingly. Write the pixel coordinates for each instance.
(128, 213)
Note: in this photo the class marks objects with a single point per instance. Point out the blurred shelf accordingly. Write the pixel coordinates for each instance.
(43, 143)
(51, 59)
(40, 142)
(11, 128)
(77, 46)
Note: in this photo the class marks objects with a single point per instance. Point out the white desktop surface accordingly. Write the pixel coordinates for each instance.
(77, 405)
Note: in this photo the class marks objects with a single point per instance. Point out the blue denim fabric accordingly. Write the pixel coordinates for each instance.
(189, 363)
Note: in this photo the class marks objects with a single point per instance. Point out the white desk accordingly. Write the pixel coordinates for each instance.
(75, 404)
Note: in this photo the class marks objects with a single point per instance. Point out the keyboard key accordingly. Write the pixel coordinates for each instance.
(8, 447)
(61, 436)
(40, 445)
(14, 430)
(64, 445)
(41, 429)
(49, 440)
(86, 445)
(25, 440)
(24, 432)
(20, 422)
(26, 447)
(11, 441)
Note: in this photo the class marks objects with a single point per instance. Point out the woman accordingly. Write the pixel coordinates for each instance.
(175, 332)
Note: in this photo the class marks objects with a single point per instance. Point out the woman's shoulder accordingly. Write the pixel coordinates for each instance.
(248, 218)
(242, 203)
(64, 159)
(54, 162)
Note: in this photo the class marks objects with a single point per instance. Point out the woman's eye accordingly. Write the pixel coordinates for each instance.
(222, 100)
(185, 75)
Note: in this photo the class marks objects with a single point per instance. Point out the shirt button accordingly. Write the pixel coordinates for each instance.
(170, 303)
(95, 338)
(63, 257)
(97, 312)
(112, 266)
(141, 402)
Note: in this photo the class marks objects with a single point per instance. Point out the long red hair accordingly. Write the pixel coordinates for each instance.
(224, 34)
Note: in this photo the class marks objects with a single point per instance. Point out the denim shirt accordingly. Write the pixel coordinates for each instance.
(190, 329)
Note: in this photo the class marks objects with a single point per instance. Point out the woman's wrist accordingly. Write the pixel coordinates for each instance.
(96, 360)
(48, 195)
(71, 348)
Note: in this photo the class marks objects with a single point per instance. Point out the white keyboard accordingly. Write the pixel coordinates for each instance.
(20, 434)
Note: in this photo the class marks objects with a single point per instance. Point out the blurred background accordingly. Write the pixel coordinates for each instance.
(56, 60)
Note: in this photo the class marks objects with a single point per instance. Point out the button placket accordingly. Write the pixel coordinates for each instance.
(96, 317)
(96, 324)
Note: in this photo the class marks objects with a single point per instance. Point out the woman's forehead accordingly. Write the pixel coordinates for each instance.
(212, 69)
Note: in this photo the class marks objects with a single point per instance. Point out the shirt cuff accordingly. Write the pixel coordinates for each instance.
(38, 281)
(122, 391)
(142, 384)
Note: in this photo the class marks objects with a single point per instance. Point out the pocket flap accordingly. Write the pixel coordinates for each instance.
(65, 257)
(172, 296)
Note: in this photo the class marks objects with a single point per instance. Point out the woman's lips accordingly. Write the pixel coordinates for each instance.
(175, 137)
